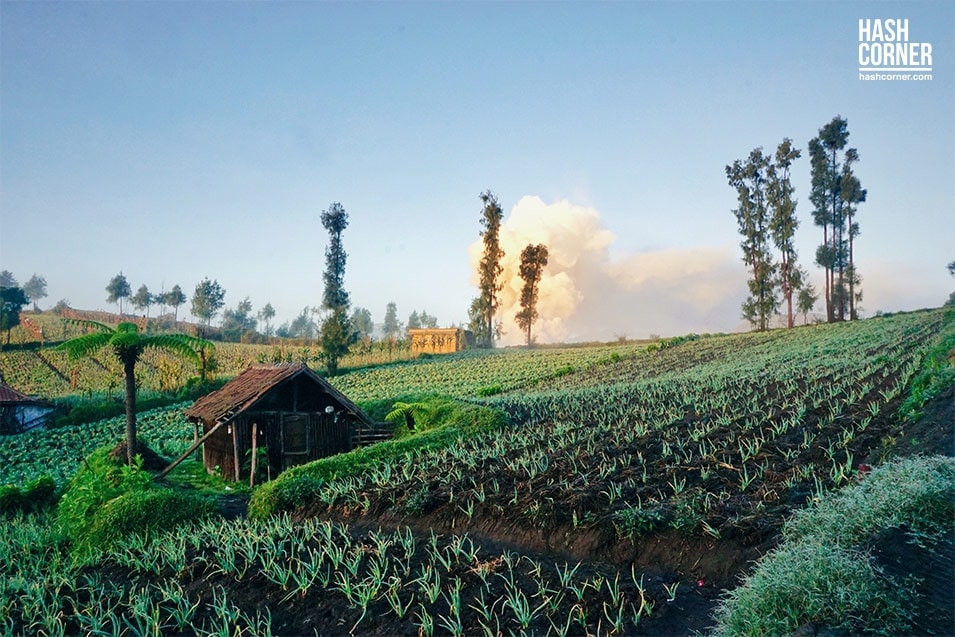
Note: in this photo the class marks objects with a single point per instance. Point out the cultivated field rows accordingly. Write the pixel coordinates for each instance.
(707, 443)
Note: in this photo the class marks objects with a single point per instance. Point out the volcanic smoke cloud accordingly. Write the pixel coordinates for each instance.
(585, 295)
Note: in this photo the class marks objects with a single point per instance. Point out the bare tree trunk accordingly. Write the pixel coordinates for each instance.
(129, 368)
(828, 275)
(852, 275)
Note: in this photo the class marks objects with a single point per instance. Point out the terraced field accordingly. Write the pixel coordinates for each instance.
(629, 489)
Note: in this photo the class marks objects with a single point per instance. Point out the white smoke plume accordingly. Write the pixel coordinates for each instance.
(585, 295)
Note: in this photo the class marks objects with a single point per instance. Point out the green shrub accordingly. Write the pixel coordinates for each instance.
(41, 492)
(38, 494)
(97, 481)
(490, 390)
(11, 499)
(563, 371)
(107, 499)
(148, 511)
(636, 521)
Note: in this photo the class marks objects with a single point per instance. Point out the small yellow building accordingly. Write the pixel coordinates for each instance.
(443, 340)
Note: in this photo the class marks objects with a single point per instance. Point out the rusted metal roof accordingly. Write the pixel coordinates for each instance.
(246, 389)
(8, 395)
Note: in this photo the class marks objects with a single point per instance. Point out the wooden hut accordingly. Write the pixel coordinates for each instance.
(19, 412)
(282, 415)
(441, 340)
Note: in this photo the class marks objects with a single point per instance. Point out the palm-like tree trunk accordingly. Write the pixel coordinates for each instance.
(129, 368)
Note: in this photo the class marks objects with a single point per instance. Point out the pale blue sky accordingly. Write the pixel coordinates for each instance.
(180, 140)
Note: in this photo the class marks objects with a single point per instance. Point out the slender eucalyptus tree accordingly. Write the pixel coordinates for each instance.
(533, 262)
(783, 222)
(835, 195)
(749, 179)
(489, 269)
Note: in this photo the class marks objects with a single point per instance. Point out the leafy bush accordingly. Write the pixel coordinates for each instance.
(146, 511)
(11, 499)
(36, 495)
(563, 371)
(99, 480)
(107, 499)
(490, 390)
(41, 491)
(636, 521)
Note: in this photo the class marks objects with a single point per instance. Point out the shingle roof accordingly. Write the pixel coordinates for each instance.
(243, 391)
(10, 395)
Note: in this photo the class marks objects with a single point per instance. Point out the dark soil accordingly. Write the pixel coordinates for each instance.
(896, 551)
(707, 566)
(932, 433)
(152, 461)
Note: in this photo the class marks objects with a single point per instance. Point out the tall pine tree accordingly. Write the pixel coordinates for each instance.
(533, 262)
(486, 305)
(337, 335)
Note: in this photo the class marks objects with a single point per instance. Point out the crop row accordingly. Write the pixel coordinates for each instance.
(437, 584)
(670, 450)
(59, 452)
(465, 374)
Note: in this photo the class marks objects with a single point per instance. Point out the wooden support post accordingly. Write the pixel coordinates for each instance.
(235, 451)
(195, 445)
(255, 436)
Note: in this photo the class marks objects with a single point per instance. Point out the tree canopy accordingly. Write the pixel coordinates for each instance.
(12, 300)
(35, 289)
(533, 262)
(128, 344)
(207, 300)
(489, 270)
(118, 289)
(392, 326)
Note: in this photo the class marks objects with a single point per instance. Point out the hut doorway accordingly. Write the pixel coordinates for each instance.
(295, 448)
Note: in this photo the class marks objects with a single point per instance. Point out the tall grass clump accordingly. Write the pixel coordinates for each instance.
(822, 574)
(36, 495)
(107, 500)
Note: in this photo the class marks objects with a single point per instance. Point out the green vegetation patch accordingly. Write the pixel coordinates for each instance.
(148, 511)
(823, 563)
(38, 494)
(936, 374)
(107, 500)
